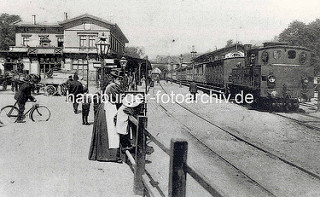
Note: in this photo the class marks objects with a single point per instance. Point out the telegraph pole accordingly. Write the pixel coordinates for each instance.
(193, 55)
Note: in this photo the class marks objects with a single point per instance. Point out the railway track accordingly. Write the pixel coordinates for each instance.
(248, 142)
(300, 122)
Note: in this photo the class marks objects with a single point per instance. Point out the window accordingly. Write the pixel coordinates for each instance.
(25, 40)
(91, 41)
(60, 41)
(83, 40)
(276, 54)
(303, 58)
(292, 54)
(265, 56)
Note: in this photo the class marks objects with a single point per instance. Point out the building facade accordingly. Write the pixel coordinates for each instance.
(68, 45)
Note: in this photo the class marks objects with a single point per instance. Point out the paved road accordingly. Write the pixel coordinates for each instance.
(50, 158)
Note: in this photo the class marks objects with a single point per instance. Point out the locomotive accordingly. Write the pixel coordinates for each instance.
(276, 74)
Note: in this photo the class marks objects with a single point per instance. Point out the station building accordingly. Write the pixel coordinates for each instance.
(68, 45)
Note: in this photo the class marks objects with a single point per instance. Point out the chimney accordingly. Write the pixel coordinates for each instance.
(34, 19)
(65, 16)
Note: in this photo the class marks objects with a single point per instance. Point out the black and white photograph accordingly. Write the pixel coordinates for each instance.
(159, 98)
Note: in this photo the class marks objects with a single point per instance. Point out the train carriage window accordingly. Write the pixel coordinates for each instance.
(265, 56)
(276, 54)
(292, 54)
(303, 58)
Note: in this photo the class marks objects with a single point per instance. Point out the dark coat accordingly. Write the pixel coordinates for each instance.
(68, 83)
(24, 93)
(193, 88)
(99, 148)
(76, 87)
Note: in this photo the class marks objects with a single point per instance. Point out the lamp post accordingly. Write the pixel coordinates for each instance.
(123, 63)
(87, 71)
(103, 46)
(193, 55)
(181, 60)
(146, 78)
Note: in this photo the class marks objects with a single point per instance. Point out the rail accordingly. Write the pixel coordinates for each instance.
(213, 89)
(144, 184)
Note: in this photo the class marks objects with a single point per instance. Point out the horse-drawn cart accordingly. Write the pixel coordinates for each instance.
(53, 86)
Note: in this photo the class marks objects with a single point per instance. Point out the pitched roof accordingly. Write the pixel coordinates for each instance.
(117, 28)
(86, 16)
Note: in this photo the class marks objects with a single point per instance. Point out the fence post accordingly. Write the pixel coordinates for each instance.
(140, 155)
(177, 172)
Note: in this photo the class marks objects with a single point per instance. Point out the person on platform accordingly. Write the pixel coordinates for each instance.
(23, 95)
(76, 88)
(68, 83)
(193, 88)
(105, 141)
(85, 106)
(75, 76)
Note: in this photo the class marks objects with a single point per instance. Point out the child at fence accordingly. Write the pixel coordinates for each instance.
(85, 106)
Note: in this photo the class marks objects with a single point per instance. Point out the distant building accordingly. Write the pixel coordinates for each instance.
(68, 45)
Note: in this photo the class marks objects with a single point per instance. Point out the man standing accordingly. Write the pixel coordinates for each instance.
(193, 88)
(23, 95)
(68, 83)
(76, 88)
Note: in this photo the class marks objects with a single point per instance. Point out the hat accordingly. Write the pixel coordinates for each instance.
(131, 100)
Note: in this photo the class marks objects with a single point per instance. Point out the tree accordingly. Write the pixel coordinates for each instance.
(7, 33)
(229, 42)
(135, 52)
(306, 35)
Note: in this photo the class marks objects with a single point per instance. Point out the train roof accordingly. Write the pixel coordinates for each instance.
(222, 50)
(271, 45)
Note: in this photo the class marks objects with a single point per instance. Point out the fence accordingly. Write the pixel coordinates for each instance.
(178, 169)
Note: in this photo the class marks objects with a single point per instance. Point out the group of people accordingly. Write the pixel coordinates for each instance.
(76, 90)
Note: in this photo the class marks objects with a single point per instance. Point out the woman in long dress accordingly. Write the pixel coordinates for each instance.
(105, 140)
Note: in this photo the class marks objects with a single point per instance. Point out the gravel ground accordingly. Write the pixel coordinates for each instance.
(51, 158)
(279, 135)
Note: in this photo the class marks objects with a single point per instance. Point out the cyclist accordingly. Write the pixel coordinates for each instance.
(24, 94)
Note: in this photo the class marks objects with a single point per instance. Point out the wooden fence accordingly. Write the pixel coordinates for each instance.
(178, 168)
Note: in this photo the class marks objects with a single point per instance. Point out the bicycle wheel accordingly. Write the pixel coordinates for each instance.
(9, 114)
(40, 113)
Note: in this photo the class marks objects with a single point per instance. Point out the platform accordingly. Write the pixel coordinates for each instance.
(51, 158)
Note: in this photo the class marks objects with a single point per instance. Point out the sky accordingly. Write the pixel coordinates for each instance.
(171, 27)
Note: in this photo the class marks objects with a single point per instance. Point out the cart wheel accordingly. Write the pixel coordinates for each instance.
(4, 85)
(51, 90)
(63, 89)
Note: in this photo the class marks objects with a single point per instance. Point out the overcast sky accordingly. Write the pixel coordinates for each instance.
(166, 27)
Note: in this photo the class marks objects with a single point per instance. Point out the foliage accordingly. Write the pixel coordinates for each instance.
(306, 35)
(229, 42)
(7, 33)
(135, 52)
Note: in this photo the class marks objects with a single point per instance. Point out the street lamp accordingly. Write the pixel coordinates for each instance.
(193, 55)
(103, 46)
(146, 78)
(123, 63)
(181, 60)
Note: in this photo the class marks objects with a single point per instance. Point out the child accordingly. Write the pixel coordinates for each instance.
(85, 106)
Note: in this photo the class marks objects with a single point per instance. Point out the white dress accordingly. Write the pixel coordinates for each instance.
(122, 121)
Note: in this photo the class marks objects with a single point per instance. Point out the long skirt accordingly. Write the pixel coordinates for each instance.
(99, 148)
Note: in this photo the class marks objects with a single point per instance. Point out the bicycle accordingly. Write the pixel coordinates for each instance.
(37, 113)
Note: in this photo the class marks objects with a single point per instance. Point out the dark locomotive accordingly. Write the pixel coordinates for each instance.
(278, 75)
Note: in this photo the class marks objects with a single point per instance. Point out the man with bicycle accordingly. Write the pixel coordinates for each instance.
(24, 94)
